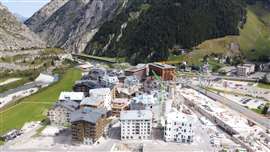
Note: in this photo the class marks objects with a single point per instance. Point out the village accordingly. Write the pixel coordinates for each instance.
(141, 108)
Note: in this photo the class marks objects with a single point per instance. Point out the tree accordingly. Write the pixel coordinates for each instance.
(265, 109)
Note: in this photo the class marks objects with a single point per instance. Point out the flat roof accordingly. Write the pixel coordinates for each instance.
(136, 115)
(162, 66)
(228, 116)
(71, 96)
(100, 91)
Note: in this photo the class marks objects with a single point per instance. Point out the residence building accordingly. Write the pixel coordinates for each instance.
(118, 105)
(165, 71)
(109, 80)
(59, 114)
(128, 89)
(105, 93)
(157, 102)
(245, 69)
(131, 81)
(72, 96)
(143, 102)
(139, 71)
(95, 102)
(97, 73)
(178, 127)
(85, 85)
(136, 124)
(87, 125)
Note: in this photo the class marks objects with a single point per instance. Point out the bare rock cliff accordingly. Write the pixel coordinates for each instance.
(15, 35)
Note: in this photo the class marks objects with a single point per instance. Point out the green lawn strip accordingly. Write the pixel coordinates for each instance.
(263, 85)
(215, 65)
(106, 59)
(16, 116)
(259, 111)
(14, 84)
(2, 142)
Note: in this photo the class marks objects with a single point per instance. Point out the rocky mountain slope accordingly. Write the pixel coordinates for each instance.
(141, 30)
(44, 13)
(72, 24)
(15, 35)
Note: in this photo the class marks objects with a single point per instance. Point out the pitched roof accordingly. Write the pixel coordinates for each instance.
(68, 104)
(89, 83)
(92, 100)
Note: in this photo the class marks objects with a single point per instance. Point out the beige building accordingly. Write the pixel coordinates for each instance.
(87, 125)
(59, 114)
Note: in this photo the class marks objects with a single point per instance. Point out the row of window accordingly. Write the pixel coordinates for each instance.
(176, 123)
(131, 137)
(179, 130)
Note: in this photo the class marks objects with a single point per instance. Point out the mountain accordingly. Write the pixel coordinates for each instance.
(20, 18)
(72, 24)
(141, 30)
(15, 35)
(44, 13)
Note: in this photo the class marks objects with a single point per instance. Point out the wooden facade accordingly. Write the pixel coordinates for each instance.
(166, 72)
(82, 130)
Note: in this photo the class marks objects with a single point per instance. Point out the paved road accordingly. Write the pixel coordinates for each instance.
(258, 119)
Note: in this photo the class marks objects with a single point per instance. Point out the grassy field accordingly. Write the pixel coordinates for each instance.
(263, 85)
(34, 108)
(254, 39)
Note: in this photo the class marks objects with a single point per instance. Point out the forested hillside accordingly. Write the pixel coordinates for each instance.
(147, 30)
(253, 42)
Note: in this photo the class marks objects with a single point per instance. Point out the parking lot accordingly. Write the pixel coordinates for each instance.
(251, 103)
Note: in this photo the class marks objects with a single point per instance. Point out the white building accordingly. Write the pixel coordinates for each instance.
(109, 80)
(131, 81)
(245, 69)
(136, 124)
(105, 94)
(46, 78)
(73, 96)
(178, 127)
(143, 102)
(157, 102)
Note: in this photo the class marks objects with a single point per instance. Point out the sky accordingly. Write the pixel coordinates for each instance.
(25, 8)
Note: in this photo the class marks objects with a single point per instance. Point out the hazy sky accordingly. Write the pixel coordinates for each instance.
(25, 8)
